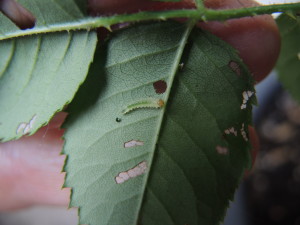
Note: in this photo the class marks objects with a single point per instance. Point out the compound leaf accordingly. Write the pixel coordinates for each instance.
(159, 132)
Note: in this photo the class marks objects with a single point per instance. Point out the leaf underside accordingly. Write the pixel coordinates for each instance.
(182, 165)
(40, 74)
(288, 65)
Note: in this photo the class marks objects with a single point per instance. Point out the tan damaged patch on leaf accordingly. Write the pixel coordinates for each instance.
(246, 96)
(25, 128)
(243, 132)
(133, 143)
(231, 130)
(222, 150)
(134, 172)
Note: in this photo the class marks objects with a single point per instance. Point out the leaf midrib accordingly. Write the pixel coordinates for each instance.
(178, 56)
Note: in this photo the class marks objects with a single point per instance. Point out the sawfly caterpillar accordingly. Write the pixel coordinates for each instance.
(145, 103)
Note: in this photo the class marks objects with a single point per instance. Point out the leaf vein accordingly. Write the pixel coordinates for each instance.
(161, 203)
(142, 56)
(8, 63)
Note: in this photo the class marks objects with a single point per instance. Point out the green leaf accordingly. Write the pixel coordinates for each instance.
(174, 164)
(288, 65)
(39, 75)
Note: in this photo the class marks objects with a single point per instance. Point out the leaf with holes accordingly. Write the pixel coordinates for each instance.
(288, 65)
(32, 90)
(178, 151)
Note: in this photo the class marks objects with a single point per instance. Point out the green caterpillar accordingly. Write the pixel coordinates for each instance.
(145, 103)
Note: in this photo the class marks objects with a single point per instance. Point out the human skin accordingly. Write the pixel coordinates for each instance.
(30, 167)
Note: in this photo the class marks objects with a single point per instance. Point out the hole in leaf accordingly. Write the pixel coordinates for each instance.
(17, 14)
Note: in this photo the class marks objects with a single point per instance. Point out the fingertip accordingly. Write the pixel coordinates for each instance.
(17, 13)
(256, 39)
(58, 120)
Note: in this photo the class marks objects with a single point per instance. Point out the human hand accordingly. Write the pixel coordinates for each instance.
(30, 167)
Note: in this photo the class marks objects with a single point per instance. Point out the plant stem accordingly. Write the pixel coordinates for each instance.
(206, 15)
(200, 14)
(253, 11)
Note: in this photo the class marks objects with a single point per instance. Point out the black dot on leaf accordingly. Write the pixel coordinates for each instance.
(118, 120)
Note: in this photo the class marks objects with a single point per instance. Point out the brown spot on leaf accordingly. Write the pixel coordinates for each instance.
(235, 67)
(160, 86)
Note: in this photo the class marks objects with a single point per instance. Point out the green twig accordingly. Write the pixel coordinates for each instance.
(196, 14)
(253, 11)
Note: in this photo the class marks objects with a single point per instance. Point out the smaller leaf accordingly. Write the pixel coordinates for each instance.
(288, 65)
(39, 75)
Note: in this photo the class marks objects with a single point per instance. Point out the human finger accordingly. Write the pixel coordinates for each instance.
(30, 169)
